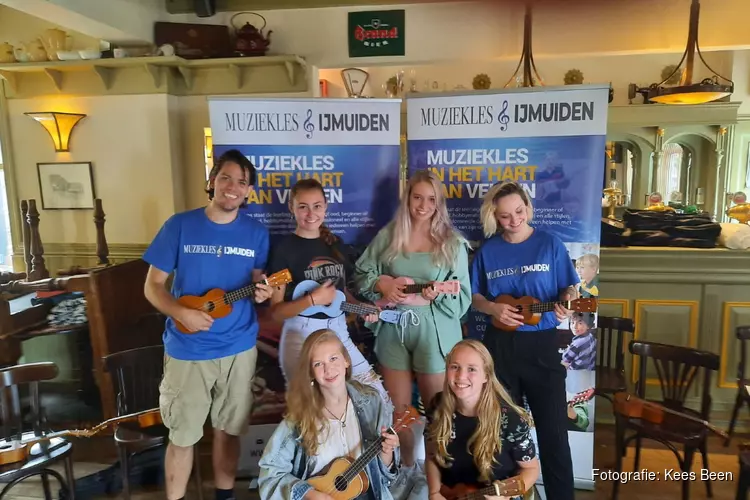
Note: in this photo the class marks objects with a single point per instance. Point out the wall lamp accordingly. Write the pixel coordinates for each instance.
(59, 126)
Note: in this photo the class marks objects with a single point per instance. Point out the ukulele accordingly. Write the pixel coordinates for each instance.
(531, 309)
(217, 303)
(510, 487)
(414, 290)
(346, 479)
(15, 451)
(632, 406)
(340, 305)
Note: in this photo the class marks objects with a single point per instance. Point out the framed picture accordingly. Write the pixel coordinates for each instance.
(66, 186)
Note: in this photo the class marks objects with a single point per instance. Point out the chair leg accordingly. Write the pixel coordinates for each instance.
(743, 483)
(637, 453)
(70, 477)
(704, 454)
(122, 451)
(687, 463)
(733, 421)
(619, 452)
(197, 472)
(45, 485)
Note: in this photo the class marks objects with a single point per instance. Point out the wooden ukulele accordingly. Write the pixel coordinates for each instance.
(632, 406)
(340, 305)
(15, 451)
(217, 303)
(346, 479)
(510, 487)
(531, 309)
(414, 290)
(582, 397)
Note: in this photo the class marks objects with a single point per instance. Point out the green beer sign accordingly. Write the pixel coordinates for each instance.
(377, 33)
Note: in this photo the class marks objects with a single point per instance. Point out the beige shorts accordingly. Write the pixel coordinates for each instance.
(190, 389)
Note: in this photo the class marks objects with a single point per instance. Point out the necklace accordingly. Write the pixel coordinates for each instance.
(341, 420)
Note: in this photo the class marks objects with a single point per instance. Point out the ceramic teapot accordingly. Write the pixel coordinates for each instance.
(32, 51)
(249, 40)
(7, 53)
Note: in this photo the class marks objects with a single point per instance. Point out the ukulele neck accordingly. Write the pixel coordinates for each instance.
(415, 288)
(243, 292)
(543, 307)
(365, 458)
(480, 494)
(360, 309)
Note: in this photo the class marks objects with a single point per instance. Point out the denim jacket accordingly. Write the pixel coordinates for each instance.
(284, 466)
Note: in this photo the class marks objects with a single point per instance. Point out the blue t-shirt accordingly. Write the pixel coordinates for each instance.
(539, 267)
(207, 255)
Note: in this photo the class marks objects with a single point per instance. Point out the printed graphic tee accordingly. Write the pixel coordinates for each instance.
(205, 255)
(539, 267)
(311, 259)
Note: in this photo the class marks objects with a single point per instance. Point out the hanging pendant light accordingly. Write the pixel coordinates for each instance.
(687, 92)
(527, 57)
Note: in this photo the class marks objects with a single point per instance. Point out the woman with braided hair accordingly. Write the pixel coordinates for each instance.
(313, 252)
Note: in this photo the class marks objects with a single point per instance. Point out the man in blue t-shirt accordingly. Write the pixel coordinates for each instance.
(210, 369)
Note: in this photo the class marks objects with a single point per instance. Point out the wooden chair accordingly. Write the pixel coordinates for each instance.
(44, 454)
(743, 396)
(136, 375)
(677, 368)
(610, 365)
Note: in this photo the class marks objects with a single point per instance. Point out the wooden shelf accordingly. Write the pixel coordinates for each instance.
(107, 70)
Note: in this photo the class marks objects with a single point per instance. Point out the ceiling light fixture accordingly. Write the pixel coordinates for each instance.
(687, 92)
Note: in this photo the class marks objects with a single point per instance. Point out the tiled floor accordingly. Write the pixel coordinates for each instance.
(96, 454)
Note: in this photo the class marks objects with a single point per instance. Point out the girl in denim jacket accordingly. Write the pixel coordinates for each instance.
(328, 416)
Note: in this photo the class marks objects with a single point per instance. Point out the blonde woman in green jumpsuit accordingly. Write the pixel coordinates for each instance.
(420, 243)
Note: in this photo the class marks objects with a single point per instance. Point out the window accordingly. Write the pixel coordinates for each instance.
(671, 171)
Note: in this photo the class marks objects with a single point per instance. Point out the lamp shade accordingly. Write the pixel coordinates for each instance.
(700, 93)
(59, 125)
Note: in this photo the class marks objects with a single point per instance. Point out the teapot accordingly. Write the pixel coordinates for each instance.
(250, 40)
(32, 51)
(7, 53)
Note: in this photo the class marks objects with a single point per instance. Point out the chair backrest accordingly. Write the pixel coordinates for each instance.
(677, 368)
(610, 336)
(15, 419)
(136, 375)
(743, 335)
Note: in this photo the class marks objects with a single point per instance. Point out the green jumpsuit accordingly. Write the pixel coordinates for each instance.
(425, 334)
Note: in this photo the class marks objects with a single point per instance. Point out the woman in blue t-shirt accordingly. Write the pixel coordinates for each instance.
(518, 260)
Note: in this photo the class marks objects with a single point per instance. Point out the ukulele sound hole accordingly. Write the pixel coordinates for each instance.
(340, 483)
(210, 306)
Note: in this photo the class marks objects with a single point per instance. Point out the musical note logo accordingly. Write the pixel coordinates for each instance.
(503, 117)
(308, 124)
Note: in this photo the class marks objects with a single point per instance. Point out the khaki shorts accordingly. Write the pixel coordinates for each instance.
(190, 389)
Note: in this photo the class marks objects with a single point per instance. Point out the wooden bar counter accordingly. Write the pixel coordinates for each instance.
(681, 296)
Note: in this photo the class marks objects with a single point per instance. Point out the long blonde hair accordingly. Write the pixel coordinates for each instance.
(486, 441)
(444, 236)
(501, 190)
(304, 401)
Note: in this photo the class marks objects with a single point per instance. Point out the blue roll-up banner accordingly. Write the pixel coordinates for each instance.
(552, 141)
(352, 146)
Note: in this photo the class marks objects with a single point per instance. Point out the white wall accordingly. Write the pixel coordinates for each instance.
(494, 30)
(127, 139)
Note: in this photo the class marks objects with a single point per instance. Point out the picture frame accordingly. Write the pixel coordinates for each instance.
(66, 185)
